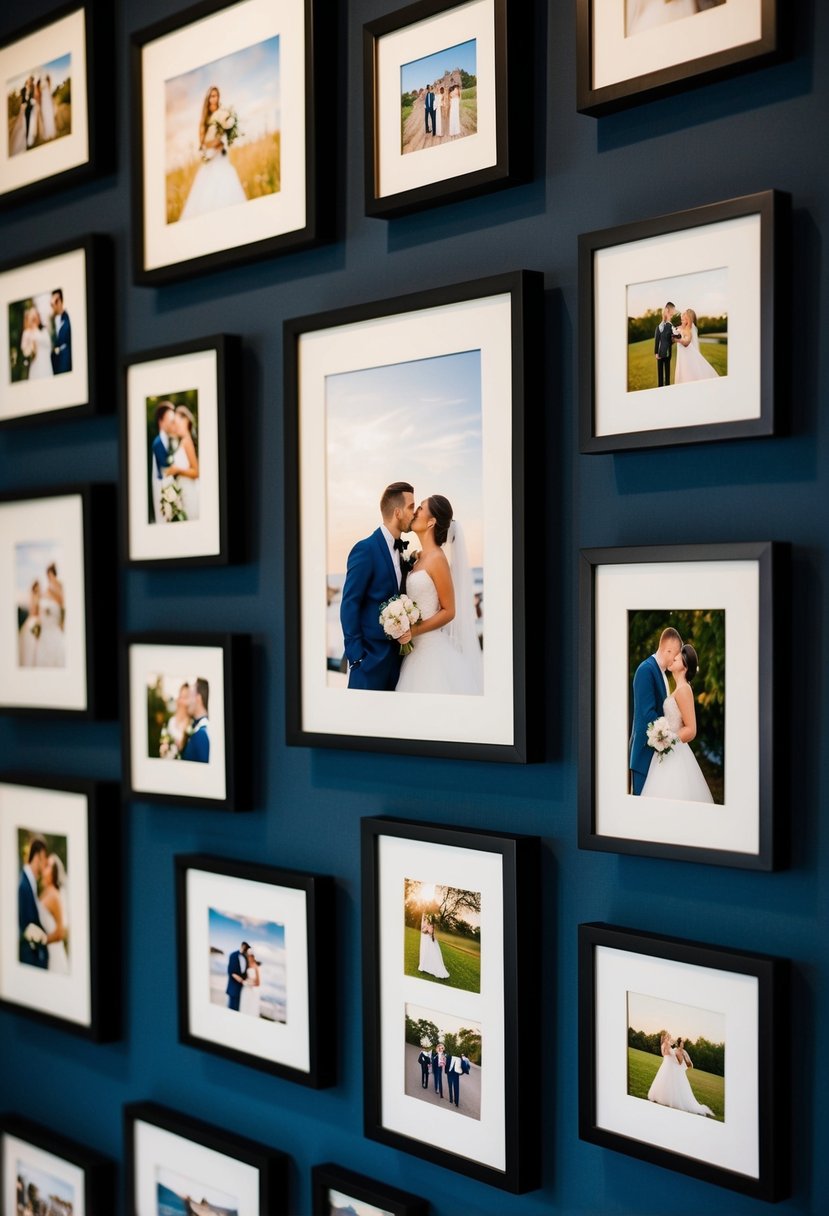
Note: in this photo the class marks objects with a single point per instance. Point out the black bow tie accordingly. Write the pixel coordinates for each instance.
(400, 544)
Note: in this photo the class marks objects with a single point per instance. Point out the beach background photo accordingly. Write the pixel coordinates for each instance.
(226, 931)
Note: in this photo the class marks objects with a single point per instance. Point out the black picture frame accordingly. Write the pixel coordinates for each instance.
(98, 41)
(98, 1171)
(648, 85)
(771, 1182)
(236, 672)
(512, 128)
(522, 293)
(99, 535)
(272, 1165)
(95, 396)
(319, 892)
(103, 896)
(367, 1190)
(320, 70)
(232, 533)
(773, 207)
(771, 560)
(518, 873)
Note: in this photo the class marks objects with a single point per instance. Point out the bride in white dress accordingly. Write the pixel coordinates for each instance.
(447, 654)
(250, 1000)
(454, 111)
(431, 956)
(676, 774)
(216, 184)
(670, 1086)
(186, 462)
(47, 108)
(52, 900)
(691, 364)
(36, 346)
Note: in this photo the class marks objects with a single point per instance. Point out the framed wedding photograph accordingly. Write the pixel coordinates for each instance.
(177, 1164)
(632, 51)
(60, 901)
(441, 83)
(449, 997)
(57, 636)
(680, 1060)
(57, 351)
(253, 941)
(340, 1192)
(433, 509)
(43, 1171)
(174, 455)
(696, 299)
(676, 714)
(181, 741)
(57, 77)
(228, 150)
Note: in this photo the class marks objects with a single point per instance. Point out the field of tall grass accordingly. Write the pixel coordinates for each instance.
(257, 163)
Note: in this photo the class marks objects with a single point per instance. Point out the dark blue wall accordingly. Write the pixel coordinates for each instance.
(767, 129)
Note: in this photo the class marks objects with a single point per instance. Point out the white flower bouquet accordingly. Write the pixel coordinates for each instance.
(661, 738)
(397, 615)
(226, 124)
(172, 507)
(34, 935)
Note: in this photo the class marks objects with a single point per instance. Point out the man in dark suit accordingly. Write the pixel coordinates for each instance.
(453, 1069)
(62, 345)
(197, 746)
(237, 966)
(373, 575)
(438, 1061)
(650, 688)
(663, 345)
(429, 104)
(163, 448)
(424, 1060)
(33, 949)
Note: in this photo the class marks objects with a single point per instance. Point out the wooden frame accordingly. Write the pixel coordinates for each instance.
(328, 1177)
(610, 1115)
(398, 857)
(94, 1172)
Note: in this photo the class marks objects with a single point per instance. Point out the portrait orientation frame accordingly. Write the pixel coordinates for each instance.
(725, 45)
(214, 363)
(312, 973)
(500, 1144)
(82, 268)
(750, 989)
(89, 814)
(393, 186)
(226, 657)
(303, 213)
(87, 30)
(739, 579)
(152, 1130)
(495, 320)
(330, 1177)
(85, 524)
(80, 1166)
(746, 238)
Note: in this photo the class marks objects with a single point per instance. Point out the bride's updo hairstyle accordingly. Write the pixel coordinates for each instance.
(440, 509)
(692, 316)
(689, 658)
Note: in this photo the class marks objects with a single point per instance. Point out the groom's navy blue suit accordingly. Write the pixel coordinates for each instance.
(62, 350)
(370, 580)
(234, 988)
(648, 698)
(27, 914)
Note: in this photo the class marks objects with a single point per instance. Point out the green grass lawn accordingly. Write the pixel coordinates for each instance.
(642, 364)
(461, 957)
(707, 1088)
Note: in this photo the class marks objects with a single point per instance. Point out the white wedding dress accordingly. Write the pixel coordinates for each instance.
(671, 1087)
(677, 774)
(51, 645)
(28, 642)
(36, 345)
(189, 485)
(47, 111)
(58, 958)
(431, 957)
(250, 1000)
(215, 186)
(691, 364)
(436, 665)
(455, 114)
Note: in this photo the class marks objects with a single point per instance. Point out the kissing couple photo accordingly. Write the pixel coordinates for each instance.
(408, 610)
(248, 965)
(42, 901)
(666, 720)
(174, 460)
(178, 725)
(41, 609)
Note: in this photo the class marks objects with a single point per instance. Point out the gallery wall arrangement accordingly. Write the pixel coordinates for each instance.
(412, 628)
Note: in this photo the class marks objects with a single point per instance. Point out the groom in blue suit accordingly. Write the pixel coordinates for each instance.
(36, 954)
(650, 688)
(373, 575)
(429, 108)
(62, 347)
(237, 965)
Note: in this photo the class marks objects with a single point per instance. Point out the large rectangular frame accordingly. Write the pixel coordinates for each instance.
(524, 290)
(98, 1171)
(103, 899)
(772, 562)
(773, 209)
(660, 82)
(771, 975)
(518, 857)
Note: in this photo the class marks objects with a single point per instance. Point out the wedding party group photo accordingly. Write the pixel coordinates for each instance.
(439, 97)
(40, 336)
(41, 604)
(443, 1060)
(677, 330)
(676, 1056)
(39, 105)
(442, 928)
